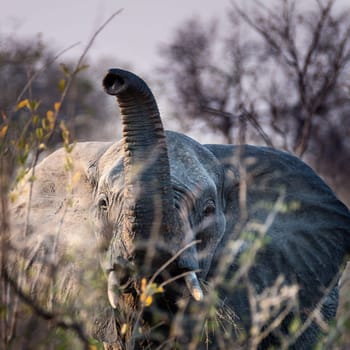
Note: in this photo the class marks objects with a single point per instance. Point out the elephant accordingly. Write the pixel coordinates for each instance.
(158, 241)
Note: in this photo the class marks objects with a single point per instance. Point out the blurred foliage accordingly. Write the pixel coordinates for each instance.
(43, 99)
(44, 104)
(29, 70)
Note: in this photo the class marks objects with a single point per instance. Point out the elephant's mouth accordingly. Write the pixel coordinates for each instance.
(121, 282)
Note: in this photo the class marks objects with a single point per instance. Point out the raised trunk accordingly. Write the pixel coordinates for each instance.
(148, 195)
(148, 198)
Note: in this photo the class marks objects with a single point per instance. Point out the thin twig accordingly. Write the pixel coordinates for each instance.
(37, 73)
(172, 259)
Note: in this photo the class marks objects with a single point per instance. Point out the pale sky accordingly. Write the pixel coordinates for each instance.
(132, 37)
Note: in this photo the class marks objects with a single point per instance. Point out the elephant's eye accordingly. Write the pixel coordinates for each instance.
(209, 208)
(103, 204)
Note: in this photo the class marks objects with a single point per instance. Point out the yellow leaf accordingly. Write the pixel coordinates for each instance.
(155, 289)
(57, 106)
(159, 290)
(149, 300)
(146, 299)
(76, 178)
(124, 328)
(3, 131)
(147, 292)
(22, 104)
(51, 118)
(3, 116)
(143, 284)
(50, 115)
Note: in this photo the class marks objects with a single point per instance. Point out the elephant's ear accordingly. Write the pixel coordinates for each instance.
(54, 256)
(307, 229)
(52, 203)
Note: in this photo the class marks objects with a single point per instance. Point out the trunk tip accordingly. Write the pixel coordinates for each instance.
(113, 83)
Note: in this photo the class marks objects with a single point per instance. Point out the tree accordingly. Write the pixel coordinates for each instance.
(280, 73)
(199, 88)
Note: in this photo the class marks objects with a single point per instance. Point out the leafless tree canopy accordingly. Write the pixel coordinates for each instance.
(282, 70)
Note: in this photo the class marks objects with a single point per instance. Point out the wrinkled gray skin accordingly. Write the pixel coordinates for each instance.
(148, 196)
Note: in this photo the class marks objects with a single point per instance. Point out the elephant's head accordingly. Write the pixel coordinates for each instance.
(153, 217)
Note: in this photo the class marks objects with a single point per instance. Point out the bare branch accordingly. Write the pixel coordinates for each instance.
(316, 35)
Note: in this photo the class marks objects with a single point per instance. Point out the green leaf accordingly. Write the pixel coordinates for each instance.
(34, 105)
(65, 69)
(44, 124)
(294, 326)
(81, 68)
(35, 119)
(39, 133)
(61, 85)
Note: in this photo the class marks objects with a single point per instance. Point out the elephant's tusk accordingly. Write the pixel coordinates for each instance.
(112, 285)
(193, 286)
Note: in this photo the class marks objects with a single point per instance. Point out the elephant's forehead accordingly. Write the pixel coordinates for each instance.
(186, 168)
(190, 173)
(186, 152)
